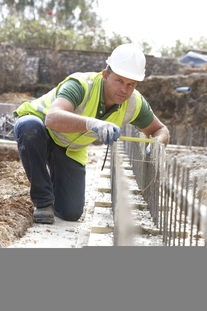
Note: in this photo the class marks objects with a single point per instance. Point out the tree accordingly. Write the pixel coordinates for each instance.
(71, 24)
(145, 46)
(11, 7)
(75, 14)
(181, 48)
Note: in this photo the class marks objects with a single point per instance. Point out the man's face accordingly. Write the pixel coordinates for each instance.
(117, 89)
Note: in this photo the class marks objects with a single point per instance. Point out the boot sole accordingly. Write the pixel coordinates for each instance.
(43, 220)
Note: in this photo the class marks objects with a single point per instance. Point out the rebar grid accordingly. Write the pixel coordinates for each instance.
(173, 199)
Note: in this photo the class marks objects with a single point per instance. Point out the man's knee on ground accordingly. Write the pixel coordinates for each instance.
(69, 215)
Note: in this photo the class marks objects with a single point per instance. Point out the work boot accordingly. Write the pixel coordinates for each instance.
(44, 215)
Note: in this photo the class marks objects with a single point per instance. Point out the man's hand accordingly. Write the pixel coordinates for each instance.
(108, 132)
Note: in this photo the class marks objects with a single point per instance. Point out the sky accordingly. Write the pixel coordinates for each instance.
(159, 22)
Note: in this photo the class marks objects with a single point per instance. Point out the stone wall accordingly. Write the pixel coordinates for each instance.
(38, 70)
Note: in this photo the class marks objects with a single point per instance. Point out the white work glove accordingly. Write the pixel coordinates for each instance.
(106, 131)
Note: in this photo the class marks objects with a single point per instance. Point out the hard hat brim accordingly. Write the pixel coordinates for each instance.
(126, 74)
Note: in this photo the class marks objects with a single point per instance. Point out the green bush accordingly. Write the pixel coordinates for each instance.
(45, 34)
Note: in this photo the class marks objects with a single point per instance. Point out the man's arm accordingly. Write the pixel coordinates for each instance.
(157, 129)
(61, 117)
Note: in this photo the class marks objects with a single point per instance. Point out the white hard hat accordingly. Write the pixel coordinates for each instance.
(127, 60)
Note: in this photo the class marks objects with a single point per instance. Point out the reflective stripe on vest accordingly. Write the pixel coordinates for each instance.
(45, 101)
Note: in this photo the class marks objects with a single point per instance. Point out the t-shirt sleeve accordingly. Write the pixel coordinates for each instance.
(73, 91)
(145, 117)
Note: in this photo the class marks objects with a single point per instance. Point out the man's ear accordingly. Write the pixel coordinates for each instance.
(104, 74)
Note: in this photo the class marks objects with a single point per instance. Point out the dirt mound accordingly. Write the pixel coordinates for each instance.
(16, 208)
(16, 98)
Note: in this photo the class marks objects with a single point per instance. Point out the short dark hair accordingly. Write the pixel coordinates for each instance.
(108, 69)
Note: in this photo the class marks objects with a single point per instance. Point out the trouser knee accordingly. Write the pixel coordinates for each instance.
(29, 126)
(69, 215)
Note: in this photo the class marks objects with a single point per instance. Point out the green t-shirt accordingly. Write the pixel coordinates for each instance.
(73, 91)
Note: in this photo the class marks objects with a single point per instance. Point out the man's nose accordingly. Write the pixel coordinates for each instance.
(123, 88)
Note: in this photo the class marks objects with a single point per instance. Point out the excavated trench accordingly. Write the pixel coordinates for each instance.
(96, 226)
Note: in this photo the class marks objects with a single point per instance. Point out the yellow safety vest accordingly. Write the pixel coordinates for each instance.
(76, 143)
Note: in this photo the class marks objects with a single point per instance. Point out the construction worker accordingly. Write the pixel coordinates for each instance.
(54, 131)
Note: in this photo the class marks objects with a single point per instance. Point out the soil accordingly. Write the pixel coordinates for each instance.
(16, 208)
(15, 98)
